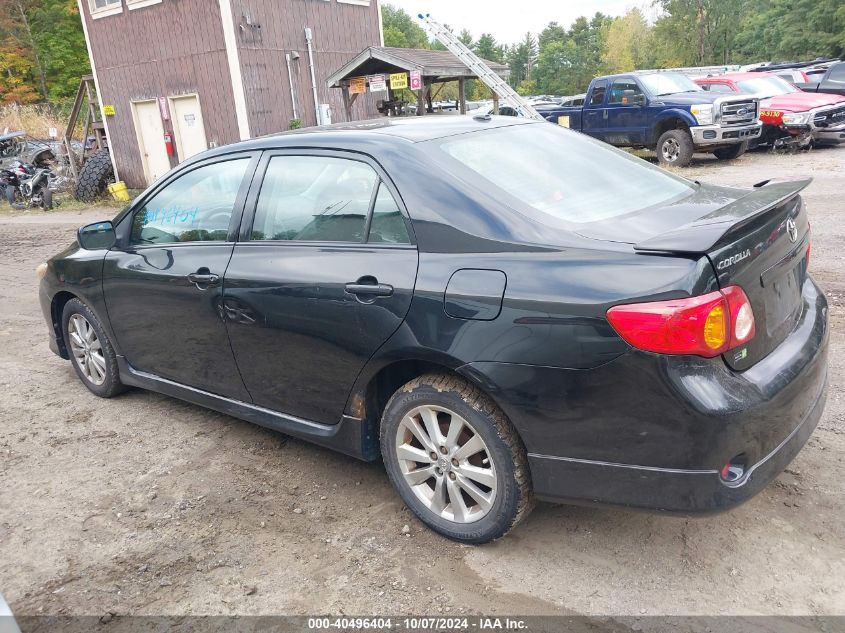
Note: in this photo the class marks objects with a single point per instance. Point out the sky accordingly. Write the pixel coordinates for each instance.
(509, 20)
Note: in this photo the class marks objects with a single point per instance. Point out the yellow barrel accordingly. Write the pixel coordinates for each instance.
(119, 191)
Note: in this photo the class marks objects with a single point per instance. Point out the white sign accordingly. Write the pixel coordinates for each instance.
(378, 83)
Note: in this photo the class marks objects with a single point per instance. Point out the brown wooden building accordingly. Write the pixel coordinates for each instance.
(211, 72)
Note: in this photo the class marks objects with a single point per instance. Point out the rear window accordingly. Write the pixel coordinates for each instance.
(568, 177)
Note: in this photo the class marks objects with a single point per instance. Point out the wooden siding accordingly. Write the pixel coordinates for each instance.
(177, 47)
(340, 31)
(167, 49)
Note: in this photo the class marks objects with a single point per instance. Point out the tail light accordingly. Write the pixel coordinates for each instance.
(807, 258)
(707, 325)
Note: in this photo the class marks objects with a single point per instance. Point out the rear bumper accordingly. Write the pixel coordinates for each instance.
(670, 490)
(653, 432)
(725, 135)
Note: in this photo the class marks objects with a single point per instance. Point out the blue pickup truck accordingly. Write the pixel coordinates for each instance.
(666, 112)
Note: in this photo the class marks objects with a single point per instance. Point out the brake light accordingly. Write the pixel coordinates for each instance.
(807, 258)
(707, 325)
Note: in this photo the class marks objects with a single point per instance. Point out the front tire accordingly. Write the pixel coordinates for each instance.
(734, 151)
(675, 147)
(455, 459)
(91, 352)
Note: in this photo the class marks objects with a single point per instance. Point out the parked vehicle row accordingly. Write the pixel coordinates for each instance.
(789, 115)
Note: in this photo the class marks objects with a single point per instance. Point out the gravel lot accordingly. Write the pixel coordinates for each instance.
(147, 505)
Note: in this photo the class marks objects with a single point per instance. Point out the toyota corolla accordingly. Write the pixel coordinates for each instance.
(501, 310)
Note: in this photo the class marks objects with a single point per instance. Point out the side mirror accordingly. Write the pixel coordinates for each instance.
(631, 97)
(97, 236)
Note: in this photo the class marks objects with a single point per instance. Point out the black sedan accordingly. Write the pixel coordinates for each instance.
(501, 310)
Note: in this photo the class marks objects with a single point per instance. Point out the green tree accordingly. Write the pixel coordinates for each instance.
(628, 43)
(520, 58)
(487, 48)
(401, 30)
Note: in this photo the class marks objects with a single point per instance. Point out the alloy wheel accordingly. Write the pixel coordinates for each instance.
(86, 349)
(446, 464)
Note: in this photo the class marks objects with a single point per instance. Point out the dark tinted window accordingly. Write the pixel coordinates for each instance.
(624, 91)
(837, 75)
(196, 207)
(388, 225)
(314, 198)
(597, 97)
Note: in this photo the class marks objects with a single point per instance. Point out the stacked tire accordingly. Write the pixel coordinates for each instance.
(95, 176)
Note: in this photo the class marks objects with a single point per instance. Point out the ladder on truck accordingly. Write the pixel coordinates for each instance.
(472, 61)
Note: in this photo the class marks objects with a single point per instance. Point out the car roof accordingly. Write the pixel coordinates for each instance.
(414, 129)
(740, 76)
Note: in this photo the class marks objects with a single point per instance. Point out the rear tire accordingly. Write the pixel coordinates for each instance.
(46, 199)
(96, 174)
(734, 151)
(472, 482)
(91, 352)
(675, 147)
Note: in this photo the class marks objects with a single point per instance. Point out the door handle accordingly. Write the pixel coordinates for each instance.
(203, 278)
(371, 290)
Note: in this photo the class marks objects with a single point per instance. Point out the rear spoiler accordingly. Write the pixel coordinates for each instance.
(701, 235)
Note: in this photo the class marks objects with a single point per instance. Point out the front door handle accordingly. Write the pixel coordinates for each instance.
(203, 278)
(369, 290)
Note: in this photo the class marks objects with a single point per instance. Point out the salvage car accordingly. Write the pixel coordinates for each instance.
(499, 309)
(790, 116)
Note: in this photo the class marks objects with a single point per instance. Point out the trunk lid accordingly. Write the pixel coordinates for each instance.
(759, 242)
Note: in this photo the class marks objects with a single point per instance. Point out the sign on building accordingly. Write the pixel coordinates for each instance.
(357, 85)
(398, 81)
(378, 83)
(416, 80)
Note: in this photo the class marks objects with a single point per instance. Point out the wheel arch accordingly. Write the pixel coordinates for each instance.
(371, 395)
(57, 306)
(671, 120)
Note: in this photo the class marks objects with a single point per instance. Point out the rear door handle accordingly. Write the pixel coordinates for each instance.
(371, 290)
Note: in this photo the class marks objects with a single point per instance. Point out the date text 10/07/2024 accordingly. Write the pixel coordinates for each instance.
(418, 624)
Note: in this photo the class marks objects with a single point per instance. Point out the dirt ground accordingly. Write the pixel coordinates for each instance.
(146, 505)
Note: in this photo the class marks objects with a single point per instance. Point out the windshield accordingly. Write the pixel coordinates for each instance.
(763, 87)
(659, 84)
(568, 177)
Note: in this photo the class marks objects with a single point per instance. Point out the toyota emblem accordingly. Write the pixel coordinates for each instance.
(792, 230)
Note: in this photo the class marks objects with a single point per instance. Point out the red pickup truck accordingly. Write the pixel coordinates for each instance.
(789, 115)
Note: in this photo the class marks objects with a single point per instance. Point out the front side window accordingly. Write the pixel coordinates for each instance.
(314, 198)
(560, 177)
(196, 207)
(624, 92)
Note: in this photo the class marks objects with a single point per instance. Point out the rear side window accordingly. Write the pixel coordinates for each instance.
(325, 199)
(569, 178)
(599, 89)
(388, 225)
(196, 207)
(717, 87)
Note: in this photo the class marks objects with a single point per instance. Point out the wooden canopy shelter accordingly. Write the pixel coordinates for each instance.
(434, 67)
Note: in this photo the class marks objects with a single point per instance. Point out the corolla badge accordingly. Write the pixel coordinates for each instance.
(734, 259)
(792, 230)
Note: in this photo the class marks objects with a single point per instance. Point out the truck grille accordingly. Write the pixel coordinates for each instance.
(739, 112)
(830, 118)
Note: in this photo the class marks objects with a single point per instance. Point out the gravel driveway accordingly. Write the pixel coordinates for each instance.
(147, 505)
